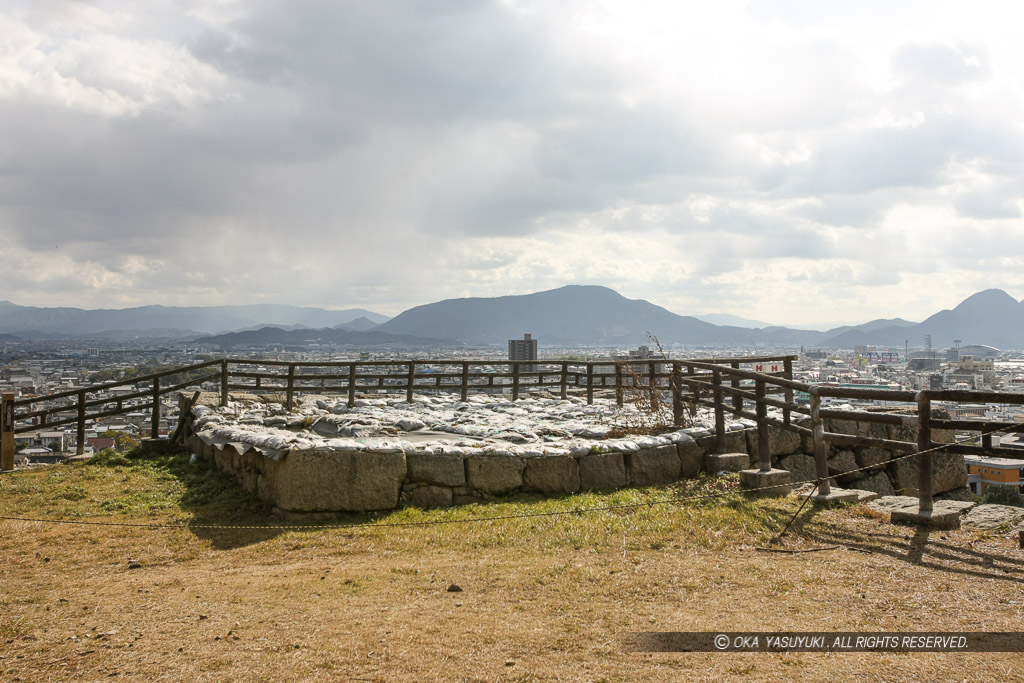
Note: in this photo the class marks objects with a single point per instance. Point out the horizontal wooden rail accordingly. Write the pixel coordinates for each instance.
(727, 386)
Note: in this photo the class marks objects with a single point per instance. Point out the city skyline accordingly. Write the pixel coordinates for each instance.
(803, 165)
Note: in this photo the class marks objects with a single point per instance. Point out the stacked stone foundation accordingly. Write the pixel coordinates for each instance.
(325, 480)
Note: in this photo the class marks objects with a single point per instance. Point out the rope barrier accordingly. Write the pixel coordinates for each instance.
(432, 522)
(493, 518)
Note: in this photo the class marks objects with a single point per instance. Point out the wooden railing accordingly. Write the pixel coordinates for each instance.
(79, 406)
(464, 376)
(351, 378)
(721, 384)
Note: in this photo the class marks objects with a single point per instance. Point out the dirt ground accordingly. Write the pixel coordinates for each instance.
(96, 603)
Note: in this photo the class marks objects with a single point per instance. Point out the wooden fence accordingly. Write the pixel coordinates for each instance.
(722, 384)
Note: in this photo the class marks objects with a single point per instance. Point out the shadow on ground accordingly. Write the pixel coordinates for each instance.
(918, 545)
(222, 512)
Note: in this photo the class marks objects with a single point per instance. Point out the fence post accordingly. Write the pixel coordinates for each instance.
(818, 437)
(652, 383)
(465, 381)
(224, 382)
(154, 418)
(565, 379)
(787, 366)
(764, 453)
(716, 380)
(737, 400)
(289, 390)
(590, 383)
(691, 372)
(618, 385)
(677, 395)
(411, 382)
(924, 457)
(80, 425)
(7, 431)
(351, 385)
(515, 380)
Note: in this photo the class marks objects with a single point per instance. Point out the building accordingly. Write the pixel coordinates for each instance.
(983, 471)
(642, 353)
(979, 351)
(523, 349)
(983, 371)
(52, 441)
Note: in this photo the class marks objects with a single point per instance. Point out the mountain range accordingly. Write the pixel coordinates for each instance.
(183, 322)
(568, 316)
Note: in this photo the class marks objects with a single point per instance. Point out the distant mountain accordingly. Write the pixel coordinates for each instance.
(358, 325)
(849, 336)
(990, 317)
(871, 326)
(275, 335)
(570, 315)
(126, 335)
(732, 320)
(198, 319)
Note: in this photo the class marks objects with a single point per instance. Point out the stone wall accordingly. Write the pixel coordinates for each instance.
(382, 477)
(322, 480)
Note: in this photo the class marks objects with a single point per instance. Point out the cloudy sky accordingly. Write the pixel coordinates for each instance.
(796, 162)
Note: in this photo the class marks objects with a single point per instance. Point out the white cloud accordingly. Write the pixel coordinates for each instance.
(780, 160)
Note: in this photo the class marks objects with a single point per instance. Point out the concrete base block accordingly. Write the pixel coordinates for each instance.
(934, 519)
(155, 446)
(835, 496)
(945, 514)
(730, 462)
(779, 481)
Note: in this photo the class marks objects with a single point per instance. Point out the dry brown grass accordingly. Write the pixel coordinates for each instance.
(544, 598)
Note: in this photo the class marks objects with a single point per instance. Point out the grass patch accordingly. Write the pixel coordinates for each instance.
(162, 488)
(546, 588)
